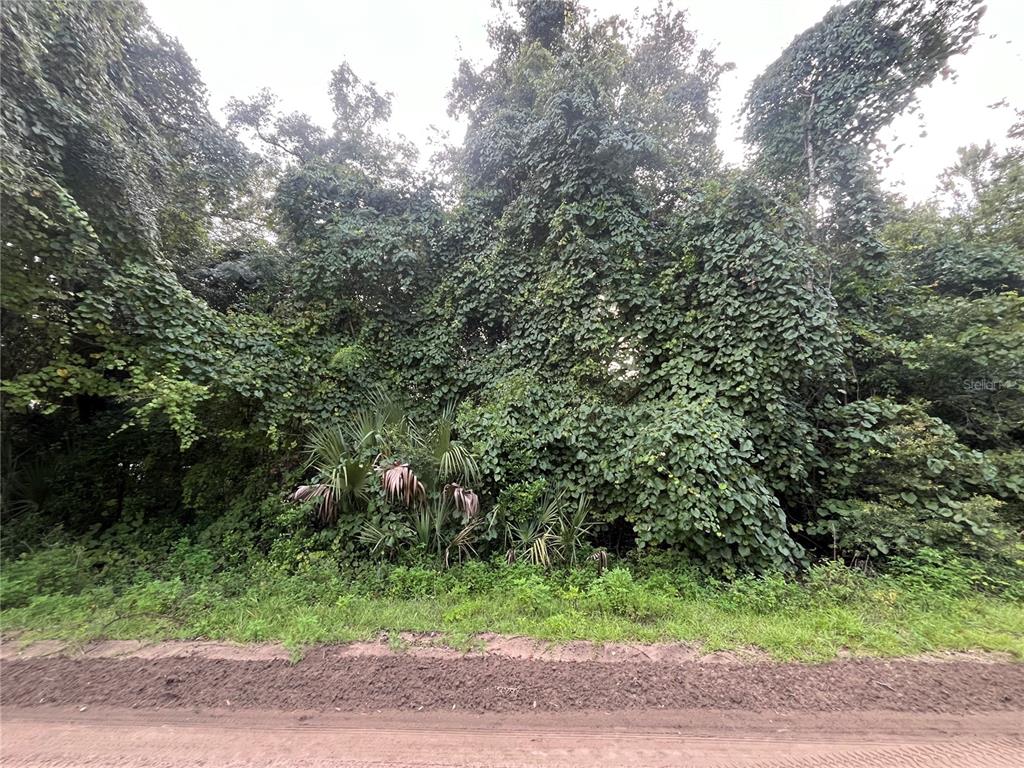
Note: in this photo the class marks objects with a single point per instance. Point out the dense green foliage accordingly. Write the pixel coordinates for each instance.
(578, 335)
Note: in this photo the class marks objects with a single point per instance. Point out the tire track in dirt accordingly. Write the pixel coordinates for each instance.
(1005, 753)
(60, 738)
(986, 757)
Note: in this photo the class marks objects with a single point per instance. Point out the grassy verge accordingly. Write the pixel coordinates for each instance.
(933, 605)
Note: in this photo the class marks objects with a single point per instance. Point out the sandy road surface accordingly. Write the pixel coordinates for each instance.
(225, 706)
(98, 736)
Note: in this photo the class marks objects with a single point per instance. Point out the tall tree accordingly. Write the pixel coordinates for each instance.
(115, 176)
(815, 113)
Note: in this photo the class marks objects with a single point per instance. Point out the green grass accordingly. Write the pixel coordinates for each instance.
(833, 609)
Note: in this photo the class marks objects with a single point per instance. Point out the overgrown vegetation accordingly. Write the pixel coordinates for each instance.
(257, 375)
(931, 603)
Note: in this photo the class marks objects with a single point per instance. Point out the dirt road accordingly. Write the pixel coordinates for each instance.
(206, 705)
(100, 736)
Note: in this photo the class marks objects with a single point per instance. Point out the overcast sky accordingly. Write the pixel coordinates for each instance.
(410, 47)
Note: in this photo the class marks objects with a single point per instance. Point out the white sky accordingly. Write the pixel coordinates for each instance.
(411, 47)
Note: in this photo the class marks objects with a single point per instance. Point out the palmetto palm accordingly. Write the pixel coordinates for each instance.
(426, 485)
(344, 456)
(413, 464)
(439, 457)
(342, 462)
(558, 531)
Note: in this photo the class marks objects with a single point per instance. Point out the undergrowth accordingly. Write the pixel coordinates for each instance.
(934, 602)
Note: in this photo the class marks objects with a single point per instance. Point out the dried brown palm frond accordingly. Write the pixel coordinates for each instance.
(465, 499)
(540, 551)
(327, 507)
(600, 556)
(401, 484)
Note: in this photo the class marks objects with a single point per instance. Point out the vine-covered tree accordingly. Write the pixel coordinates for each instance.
(814, 115)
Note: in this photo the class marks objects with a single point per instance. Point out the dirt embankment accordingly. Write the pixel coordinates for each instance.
(336, 679)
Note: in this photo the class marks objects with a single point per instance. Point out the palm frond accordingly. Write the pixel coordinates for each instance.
(457, 462)
(423, 526)
(342, 467)
(364, 429)
(557, 531)
(539, 552)
(462, 543)
(373, 536)
(574, 528)
(445, 424)
(28, 487)
(327, 506)
(452, 459)
(381, 421)
(389, 411)
(533, 540)
(327, 447)
(465, 500)
(401, 485)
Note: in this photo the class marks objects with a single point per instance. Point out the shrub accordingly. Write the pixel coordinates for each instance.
(684, 472)
(932, 572)
(57, 570)
(190, 562)
(528, 592)
(761, 594)
(475, 576)
(900, 480)
(833, 582)
(411, 582)
(152, 596)
(671, 570)
(616, 592)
